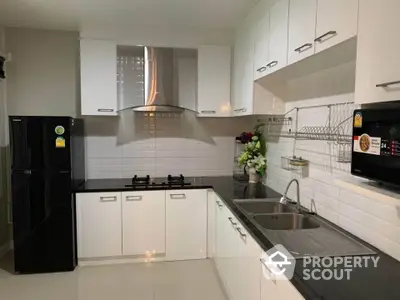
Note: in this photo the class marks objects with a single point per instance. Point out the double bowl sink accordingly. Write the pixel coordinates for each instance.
(302, 234)
(276, 216)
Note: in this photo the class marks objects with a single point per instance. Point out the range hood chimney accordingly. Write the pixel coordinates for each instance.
(160, 82)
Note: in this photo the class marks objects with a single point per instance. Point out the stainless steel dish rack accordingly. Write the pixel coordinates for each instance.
(336, 130)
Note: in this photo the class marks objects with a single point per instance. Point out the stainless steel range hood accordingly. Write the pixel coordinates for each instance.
(161, 81)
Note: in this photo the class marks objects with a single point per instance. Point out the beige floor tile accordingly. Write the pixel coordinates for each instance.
(186, 280)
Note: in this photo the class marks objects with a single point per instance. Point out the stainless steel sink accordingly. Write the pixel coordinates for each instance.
(287, 221)
(263, 207)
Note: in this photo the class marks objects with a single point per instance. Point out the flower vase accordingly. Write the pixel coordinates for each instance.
(254, 177)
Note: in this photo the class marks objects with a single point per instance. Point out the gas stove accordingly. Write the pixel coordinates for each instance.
(170, 182)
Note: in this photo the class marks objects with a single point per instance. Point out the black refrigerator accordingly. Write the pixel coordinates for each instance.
(47, 155)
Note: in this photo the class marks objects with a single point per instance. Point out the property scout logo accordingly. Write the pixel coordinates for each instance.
(279, 264)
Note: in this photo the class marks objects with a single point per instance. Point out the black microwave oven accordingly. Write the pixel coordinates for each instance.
(376, 145)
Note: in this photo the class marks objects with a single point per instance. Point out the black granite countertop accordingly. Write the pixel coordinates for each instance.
(227, 187)
(367, 283)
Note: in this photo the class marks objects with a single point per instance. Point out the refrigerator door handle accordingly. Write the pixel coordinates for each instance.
(9, 213)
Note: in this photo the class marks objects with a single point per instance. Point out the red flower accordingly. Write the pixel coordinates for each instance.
(250, 134)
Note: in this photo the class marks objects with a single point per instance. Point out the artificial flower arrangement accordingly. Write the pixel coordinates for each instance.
(254, 154)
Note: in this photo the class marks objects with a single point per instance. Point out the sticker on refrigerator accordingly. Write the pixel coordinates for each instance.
(60, 142)
(59, 130)
(368, 145)
(358, 120)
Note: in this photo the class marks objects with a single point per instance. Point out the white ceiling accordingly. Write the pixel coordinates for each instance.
(71, 14)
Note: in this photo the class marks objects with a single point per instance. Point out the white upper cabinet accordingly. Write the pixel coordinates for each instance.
(214, 81)
(378, 48)
(336, 22)
(186, 229)
(242, 101)
(261, 47)
(98, 77)
(143, 223)
(278, 37)
(302, 18)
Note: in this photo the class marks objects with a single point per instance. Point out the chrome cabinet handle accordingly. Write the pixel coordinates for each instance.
(271, 275)
(386, 84)
(243, 235)
(272, 64)
(177, 196)
(232, 222)
(108, 199)
(320, 38)
(9, 213)
(303, 47)
(105, 110)
(134, 198)
(208, 112)
(262, 69)
(219, 204)
(241, 109)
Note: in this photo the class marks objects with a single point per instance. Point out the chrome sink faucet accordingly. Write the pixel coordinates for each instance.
(284, 199)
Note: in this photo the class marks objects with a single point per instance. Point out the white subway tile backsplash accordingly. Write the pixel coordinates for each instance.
(377, 225)
(171, 146)
(370, 206)
(327, 189)
(104, 168)
(103, 147)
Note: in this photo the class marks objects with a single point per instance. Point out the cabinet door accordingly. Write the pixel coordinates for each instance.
(269, 288)
(302, 19)
(286, 290)
(247, 262)
(186, 234)
(378, 47)
(231, 249)
(99, 224)
(336, 22)
(214, 81)
(143, 223)
(238, 61)
(211, 224)
(278, 38)
(219, 232)
(98, 77)
(242, 103)
(261, 47)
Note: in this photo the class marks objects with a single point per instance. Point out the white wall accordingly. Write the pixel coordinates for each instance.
(43, 74)
(182, 36)
(4, 209)
(373, 219)
(161, 146)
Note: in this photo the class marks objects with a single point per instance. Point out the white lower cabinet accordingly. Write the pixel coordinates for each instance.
(143, 223)
(248, 263)
(269, 288)
(237, 256)
(238, 260)
(220, 236)
(99, 232)
(286, 290)
(186, 224)
(211, 218)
